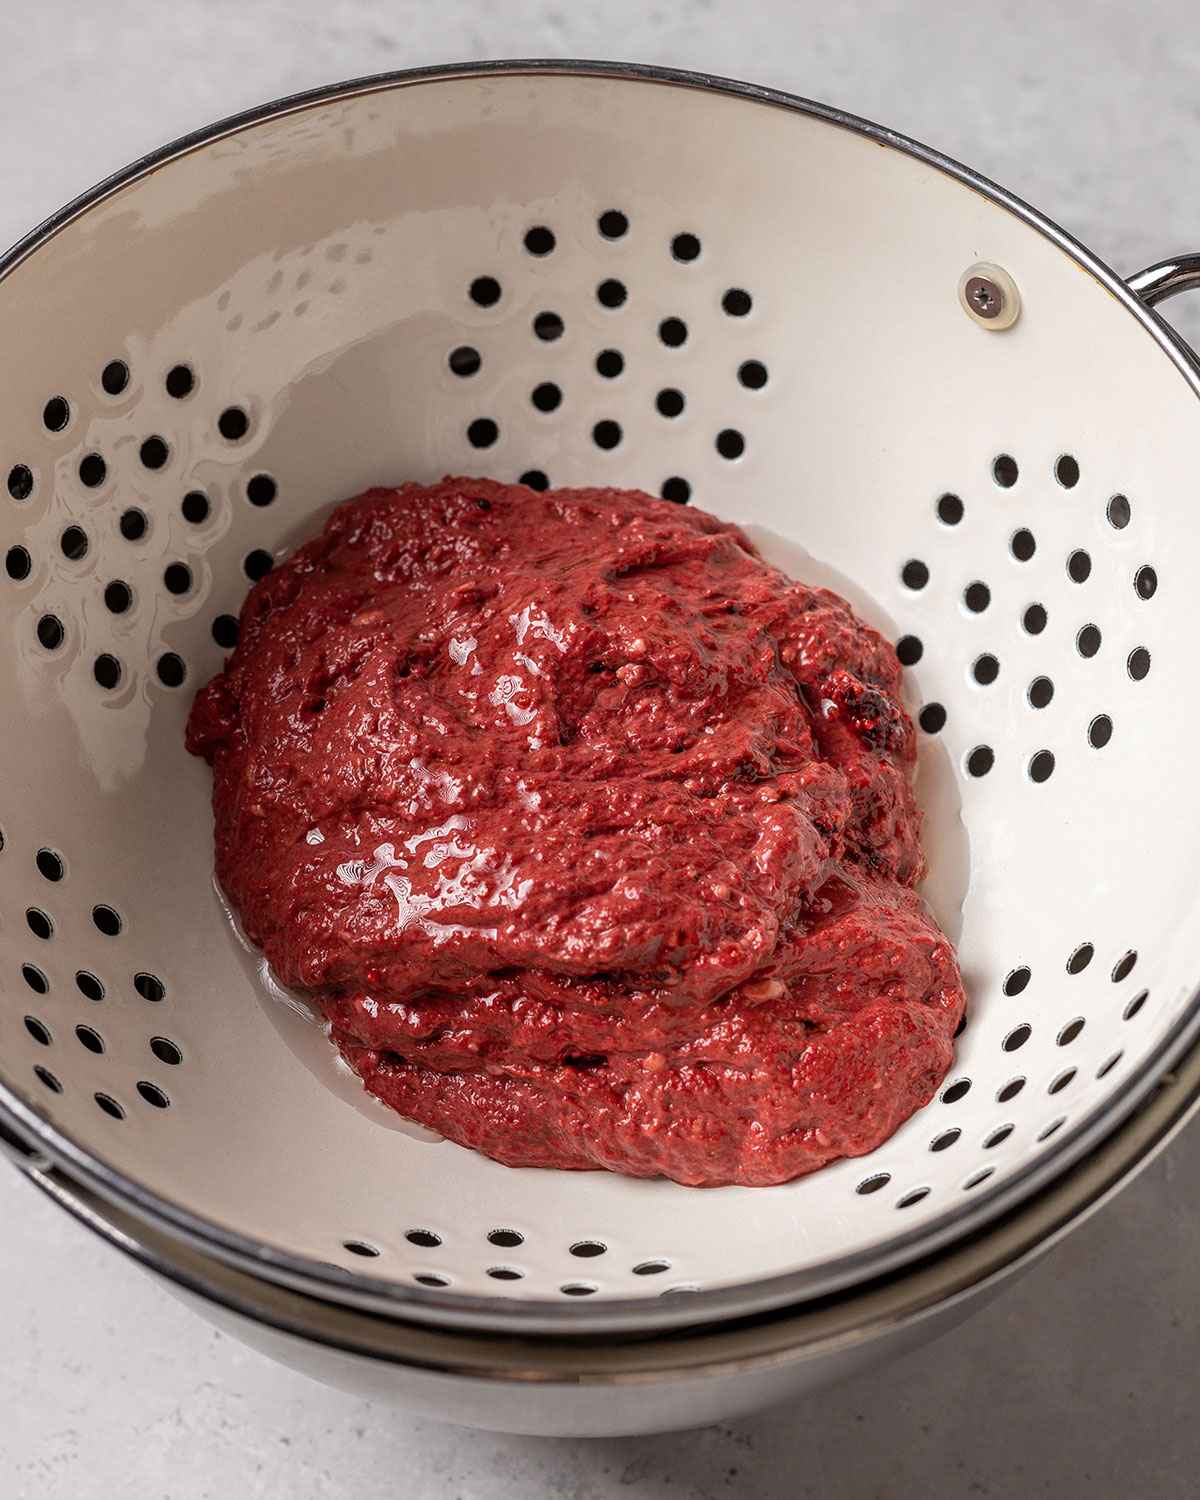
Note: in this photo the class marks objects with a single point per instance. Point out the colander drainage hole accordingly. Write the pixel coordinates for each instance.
(548, 326)
(106, 920)
(676, 489)
(38, 1030)
(540, 240)
(535, 479)
(612, 293)
(166, 1051)
(464, 361)
(92, 470)
(225, 631)
(154, 453)
(20, 481)
(1041, 766)
(873, 1184)
(233, 424)
(546, 397)
(49, 864)
(177, 578)
(1055, 1125)
(106, 669)
(586, 1249)
(612, 224)
(932, 718)
(981, 760)
(909, 649)
(737, 302)
(257, 564)
(752, 373)
(1040, 692)
(74, 543)
(484, 291)
(50, 632)
(180, 382)
(44, 1075)
(1106, 1067)
(1017, 1037)
(18, 565)
(1061, 1081)
(1079, 566)
(360, 1247)
(977, 596)
(505, 1273)
(685, 247)
(578, 1289)
(1005, 471)
(914, 1197)
(673, 332)
(945, 1140)
(959, 1089)
(482, 432)
(506, 1239)
(1034, 619)
(431, 1278)
(1119, 512)
(669, 402)
(35, 979)
(1010, 1090)
(110, 1106)
(950, 510)
(56, 414)
(1066, 471)
(914, 574)
(606, 434)
(133, 524)
(117, 596)
(149, 987)
(89, 986)
(998, 1136)
(39, 923)
(730, 443)
(114, 377)
(1100, 731)
(261, 490)
(1016, 981)
(1123, 967)
(985, 669)
(978, 1177)
(1022, 544)
(1138, 665)
(171, 669)
(90, 1039)
(423, 1237)
(610, 363)
(1145, 582)
(1080, 959)
(1135, 1005)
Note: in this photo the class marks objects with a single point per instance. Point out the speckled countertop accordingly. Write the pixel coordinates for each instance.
(1080, 1380)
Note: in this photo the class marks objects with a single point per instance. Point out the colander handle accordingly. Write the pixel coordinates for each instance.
(1166, 277)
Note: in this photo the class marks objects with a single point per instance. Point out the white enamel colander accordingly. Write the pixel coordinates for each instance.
(902, 382)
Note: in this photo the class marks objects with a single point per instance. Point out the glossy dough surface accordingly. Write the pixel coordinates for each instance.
(592, 834)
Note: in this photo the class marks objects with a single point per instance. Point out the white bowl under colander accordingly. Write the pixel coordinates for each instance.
(585, 275)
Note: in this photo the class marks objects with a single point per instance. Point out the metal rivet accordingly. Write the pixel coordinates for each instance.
(989, 295)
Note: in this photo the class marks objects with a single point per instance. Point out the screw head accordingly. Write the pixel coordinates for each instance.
(985, 296)
(989, 296)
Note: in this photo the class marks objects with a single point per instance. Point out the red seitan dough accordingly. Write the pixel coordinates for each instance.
(592, 834)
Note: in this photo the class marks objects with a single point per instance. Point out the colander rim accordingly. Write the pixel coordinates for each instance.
(821, 1328)
(379, 1292)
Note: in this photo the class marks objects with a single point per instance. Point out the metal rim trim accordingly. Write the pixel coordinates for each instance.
(816, 1329)
(378, 1293)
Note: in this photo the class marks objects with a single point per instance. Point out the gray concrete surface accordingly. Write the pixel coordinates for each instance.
(1081, 1380)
